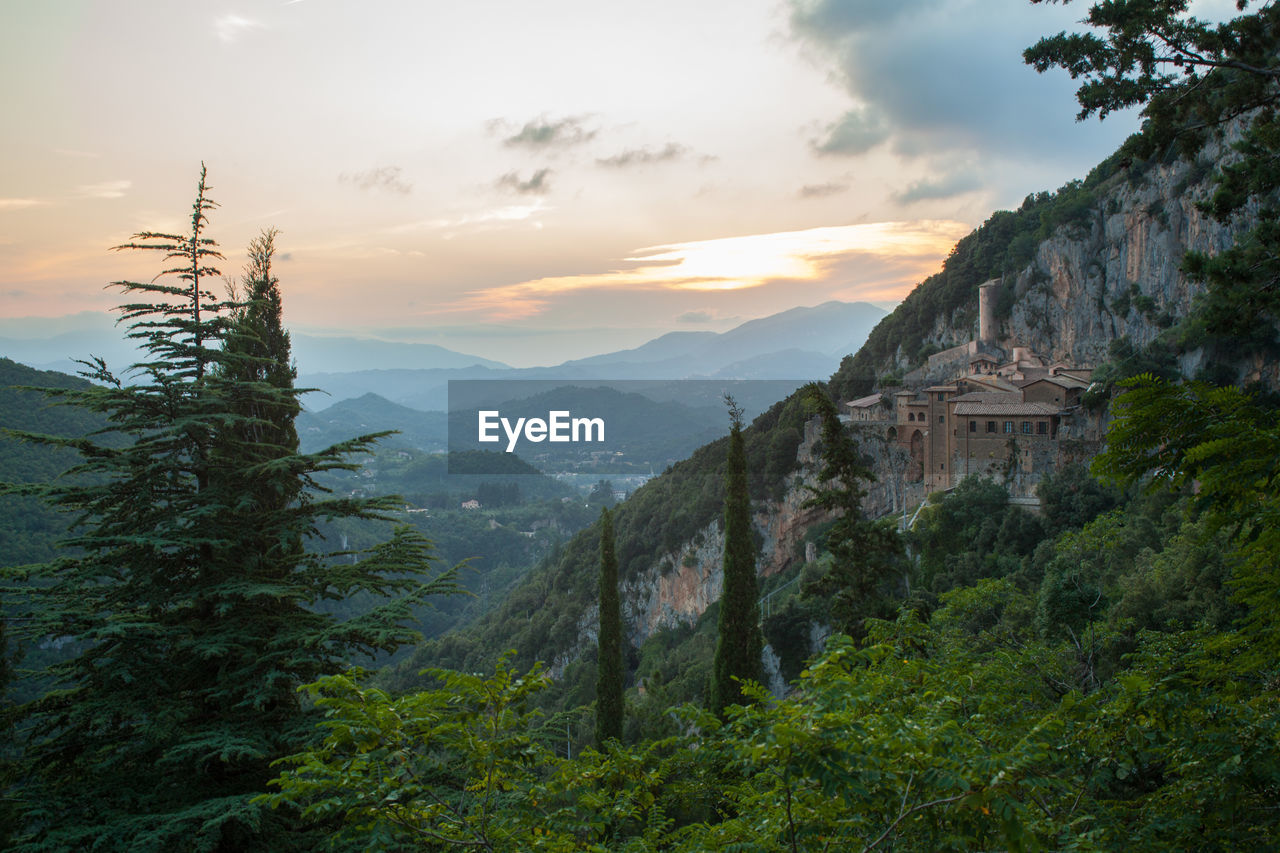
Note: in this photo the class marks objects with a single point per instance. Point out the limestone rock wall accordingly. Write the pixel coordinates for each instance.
(1118, 274)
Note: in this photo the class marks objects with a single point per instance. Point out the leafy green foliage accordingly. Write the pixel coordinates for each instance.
(950, 734)
(464, 765)
(443, 762)
(970, 533)
(1125, 362)
(1094, 690)
(1070, 498)
(1227, 443)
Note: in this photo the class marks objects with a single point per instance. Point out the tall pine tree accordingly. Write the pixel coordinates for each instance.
(609, 701)
(739, 643)
(186, 589)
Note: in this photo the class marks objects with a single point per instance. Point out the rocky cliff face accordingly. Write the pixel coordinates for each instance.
(679, 586)
(1122, 276)
(1117, 272)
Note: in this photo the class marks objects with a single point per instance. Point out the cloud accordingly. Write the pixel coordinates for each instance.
(937, 78)
(20, 203)
(106, 189)
(830, 18)
(543, 133)
(695, 317)
(735, 263)
(382, 178)
(644, 156)
(857, 132)
(947, 186)
(231, 27)
(822, 190)
(506, 213)
(536, 185)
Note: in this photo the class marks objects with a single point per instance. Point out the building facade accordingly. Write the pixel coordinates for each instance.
(999, 415)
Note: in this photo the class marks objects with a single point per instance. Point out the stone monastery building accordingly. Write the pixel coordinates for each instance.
(987, 412)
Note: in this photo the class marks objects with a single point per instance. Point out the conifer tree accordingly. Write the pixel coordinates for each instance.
(739, 643)
(864, 554)
(186, 590)
(609, 699)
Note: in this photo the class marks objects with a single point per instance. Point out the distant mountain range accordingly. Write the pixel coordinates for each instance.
(801, 344)
(811, 340)
(53, 343)
(316, 354)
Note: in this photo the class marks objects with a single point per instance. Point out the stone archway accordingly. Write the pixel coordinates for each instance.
(915, 471)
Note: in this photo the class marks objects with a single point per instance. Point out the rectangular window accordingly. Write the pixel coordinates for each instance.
(991, 426)
(1026, 427)
(941, 418)
(1008, 426)
(1042, 428)
(973, 426)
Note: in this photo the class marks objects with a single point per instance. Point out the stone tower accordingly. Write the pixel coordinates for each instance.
(987, 295)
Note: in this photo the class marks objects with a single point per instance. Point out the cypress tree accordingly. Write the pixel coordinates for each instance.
(186, 591)
(609, 701)
(739, 643)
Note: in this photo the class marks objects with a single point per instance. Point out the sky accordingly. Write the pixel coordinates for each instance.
(527, 180)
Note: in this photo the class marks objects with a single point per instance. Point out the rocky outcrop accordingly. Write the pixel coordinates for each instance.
(1114, 272)
(677, 587)
(1121, 276)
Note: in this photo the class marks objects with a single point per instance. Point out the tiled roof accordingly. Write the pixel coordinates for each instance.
(1060, 381)
(989, 397)
(863, 402)
(978, 408)
(991, 381)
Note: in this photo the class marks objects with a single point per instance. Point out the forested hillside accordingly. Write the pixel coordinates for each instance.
(544, 616)
(28, 529)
